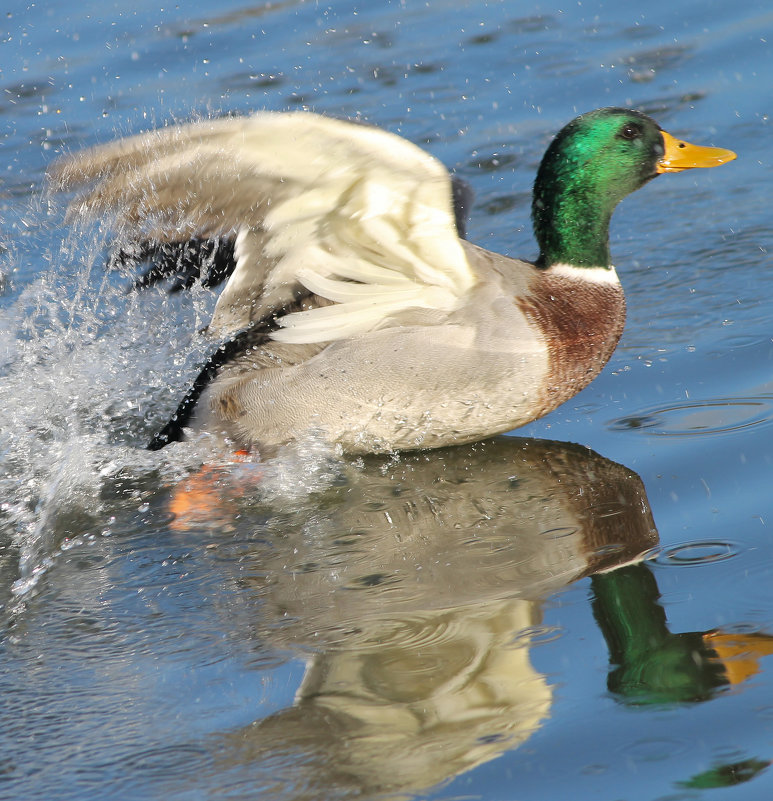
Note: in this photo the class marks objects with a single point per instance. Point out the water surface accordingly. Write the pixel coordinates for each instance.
(438, 625)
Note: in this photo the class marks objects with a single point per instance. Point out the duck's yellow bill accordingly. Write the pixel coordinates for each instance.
(682, 155)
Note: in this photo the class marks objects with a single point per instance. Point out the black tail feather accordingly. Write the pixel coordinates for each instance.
(462, 196)
(211, 261)
(173, 431)
(252, 337)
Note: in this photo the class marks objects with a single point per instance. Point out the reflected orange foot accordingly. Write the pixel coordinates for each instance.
(739, 653)
(204, 497)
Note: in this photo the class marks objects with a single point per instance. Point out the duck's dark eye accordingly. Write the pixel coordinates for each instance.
(629, 131)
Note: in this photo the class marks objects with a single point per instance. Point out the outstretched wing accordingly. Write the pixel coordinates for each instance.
(351, 213)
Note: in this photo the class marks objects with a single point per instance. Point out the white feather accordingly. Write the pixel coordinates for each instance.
(352, 213)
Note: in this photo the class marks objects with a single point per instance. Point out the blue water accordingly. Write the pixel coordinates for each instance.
(434, 626)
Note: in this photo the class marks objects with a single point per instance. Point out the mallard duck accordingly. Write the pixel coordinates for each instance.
(353, 308)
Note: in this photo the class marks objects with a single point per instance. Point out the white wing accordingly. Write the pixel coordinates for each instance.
(352, 213)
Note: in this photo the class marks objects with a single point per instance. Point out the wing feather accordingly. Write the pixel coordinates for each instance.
(354, 214)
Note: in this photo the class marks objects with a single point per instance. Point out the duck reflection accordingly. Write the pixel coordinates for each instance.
(653, 666)
(415, 591)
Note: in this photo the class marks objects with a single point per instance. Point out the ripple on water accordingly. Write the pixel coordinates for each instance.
(740, 341)
(559, 533)
(695, 554)
(655, 749)
(538, 635)
(690, 418)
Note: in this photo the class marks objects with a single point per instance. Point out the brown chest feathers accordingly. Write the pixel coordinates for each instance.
(581, 322)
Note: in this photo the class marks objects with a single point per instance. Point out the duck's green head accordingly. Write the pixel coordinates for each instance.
(590, 166)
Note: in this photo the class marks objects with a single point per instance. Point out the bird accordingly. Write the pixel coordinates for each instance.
(353, 308)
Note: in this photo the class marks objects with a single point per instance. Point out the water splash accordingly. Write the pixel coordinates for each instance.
(86, 370)
(89, 372)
